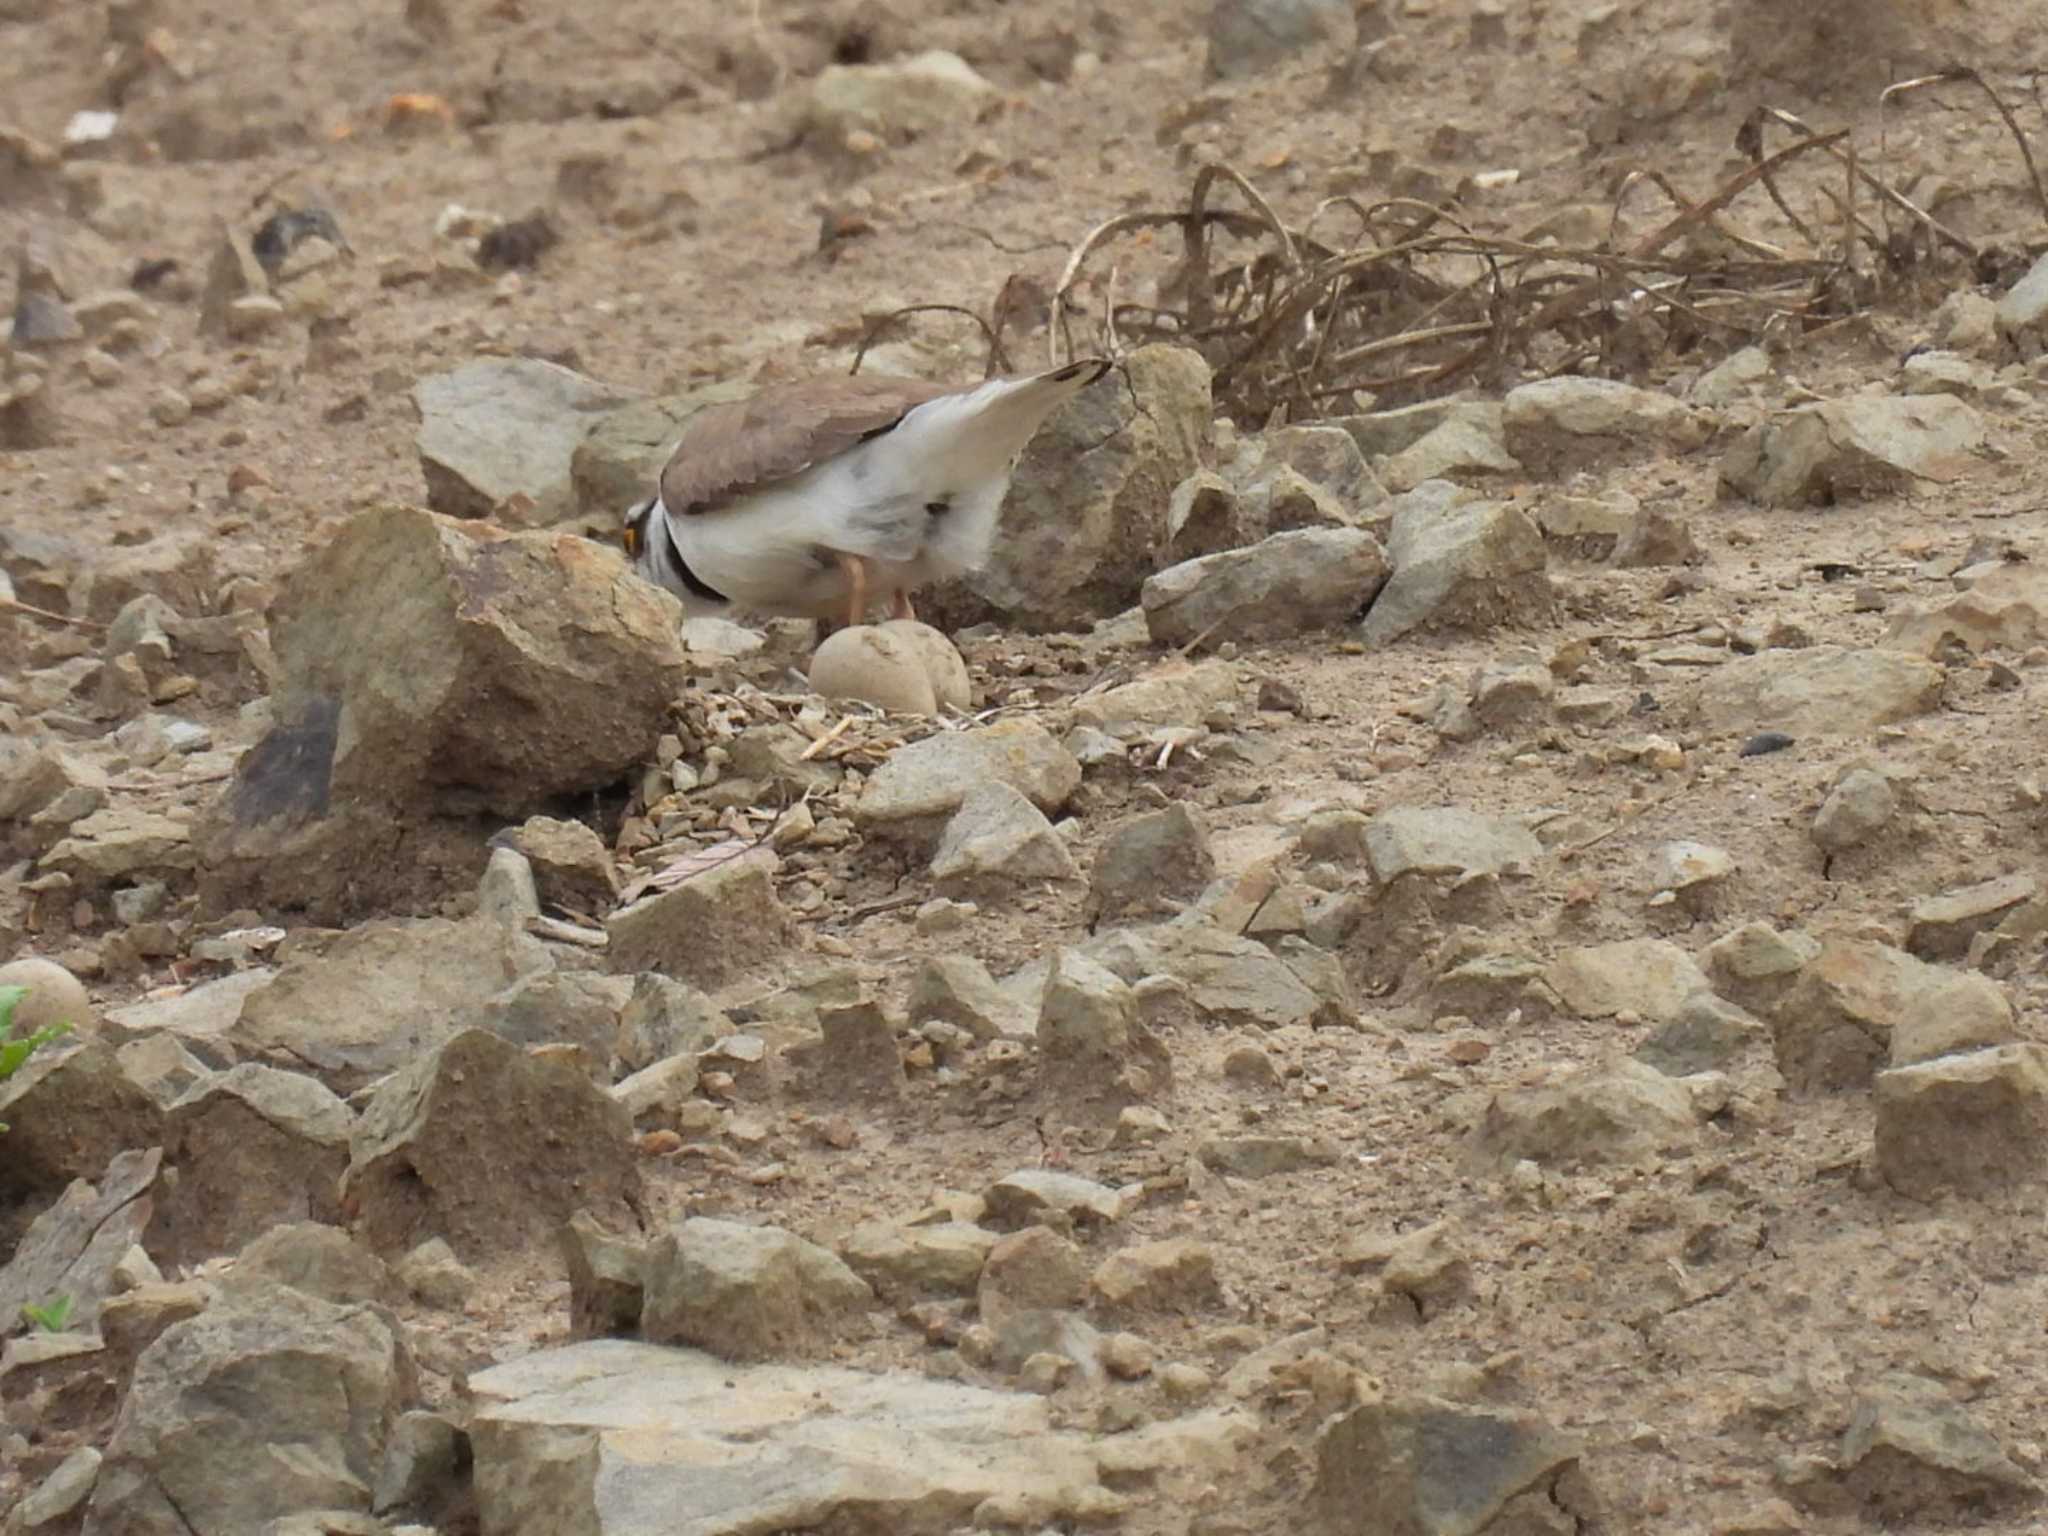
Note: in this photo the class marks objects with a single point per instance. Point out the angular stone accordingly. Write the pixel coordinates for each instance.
(74, 1246)
(1467, 441)
(1230, 981)
(1174, 1275)
(1822, 690)
(382, 993)
(1085, 521)
(196, 1446)
(997, 842)
(904, 1261)
(1048, 1195)
(925, 782)
(1263, 1157)
(1651, 978)
(595, 1436)
(749, 1292)
(1974, 1123)
(491, 1148)
(572, 867)
(1094, 1056)
(1860, 806)
(1462, 565)
(1859, 1005)
(322, 1261)
(2006, 609)
(1172, 695)
(1843, 449)
(1945, 926)
(1912, 1455)
(1034, 1270)
(1285, 585)
(1422, 1466)
(254, 1147)
(1569, 421)
(1150, 863)
(1248, 37)
(607, 1278)
(720, 924)
(69, 1113)
(899, 99)
(1597, 1115)
(1448, 841)
(958, 989)
(501, 427)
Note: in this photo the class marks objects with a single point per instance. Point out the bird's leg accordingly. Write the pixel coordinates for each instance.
(856, 587)
(899, 605)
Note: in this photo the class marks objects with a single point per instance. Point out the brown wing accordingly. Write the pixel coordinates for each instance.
(728, 450)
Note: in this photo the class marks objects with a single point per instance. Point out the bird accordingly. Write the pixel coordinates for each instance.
(817, 497)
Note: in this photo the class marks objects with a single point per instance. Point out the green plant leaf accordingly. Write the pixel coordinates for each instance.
(52, 1315)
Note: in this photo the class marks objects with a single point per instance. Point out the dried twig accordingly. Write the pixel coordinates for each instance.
(15, 606)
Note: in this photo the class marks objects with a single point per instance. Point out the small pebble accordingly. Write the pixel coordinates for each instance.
(1763, 742)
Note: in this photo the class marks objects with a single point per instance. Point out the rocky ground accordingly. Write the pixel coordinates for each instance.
(1474, 962)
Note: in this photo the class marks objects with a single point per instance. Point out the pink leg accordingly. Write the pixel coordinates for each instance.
(899, 606)
(857, 588)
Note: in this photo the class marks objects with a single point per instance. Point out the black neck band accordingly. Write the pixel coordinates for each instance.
(694, 584)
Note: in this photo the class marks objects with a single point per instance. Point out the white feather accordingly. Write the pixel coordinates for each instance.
(776, 548)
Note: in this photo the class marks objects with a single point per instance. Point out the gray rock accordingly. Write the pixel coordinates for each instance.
(1150, 863)
(403, 643)
(1823, 690)
(1859, 807)
(623, 451)
(1912, 1454)
(501, 427)
(1706, 1034)
(1035, 1270)
(1553, 423)
(1655, 537)
(1064, 1200)
(1946, 926)
(1466, 441)
(194, 1448)
(434, 1276)
(1328, 457)
(1085, 522)
(603, 1432)
(1172, 696)
(1175, 1275)
(1285, 585)
(1458, 565)
(904, 1261)
(925, 782)
(899, 99)
(1381, 433)
(1094, 1056)
(1848, 448)
(74, 1246)
(1615, 1113)
(253, 1146)
(572, 866)
(1858, 1005)
(1263, 1157)
(720, 924)
(958, 989)
(1974, 1123)
(996, 843)
(1206, 515)
(507, 894)
(69, 1112)
(491, 1148)
(607, 1278)
(1733, 377)
(1650, 978)
(320, 1260)
(1231, 981)
(1944, 373)
(2024, 308)
(63, 1491)
(579, 1008)
(2005, 609)
(1426, 1466)
(423, 1466)
(749, 1293)
(664, 1018)
(1248, 37)
(122, 843)
(381, 994)
(1282, 500)
(1448, 841)
(854, 1060)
